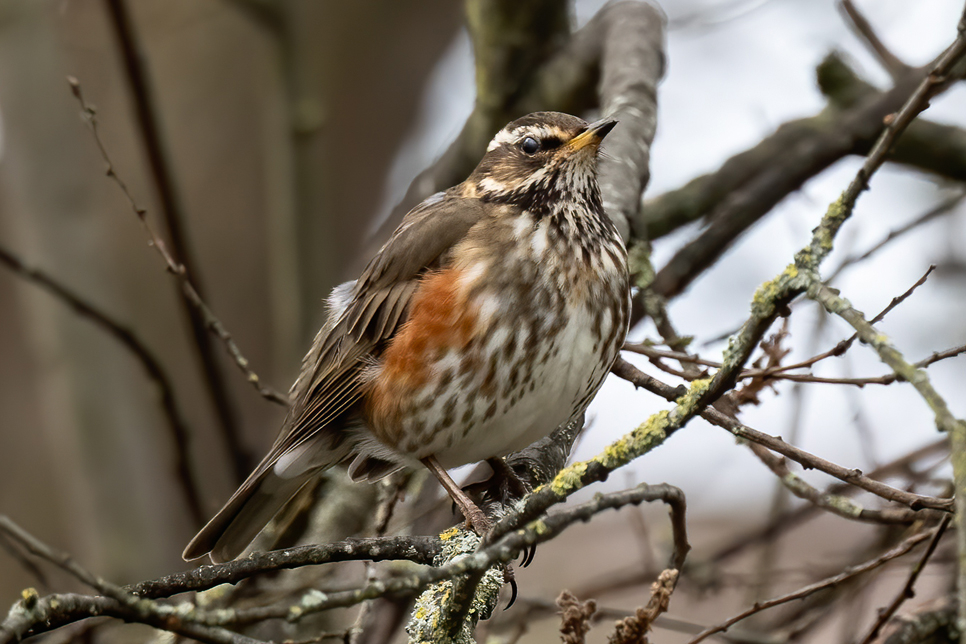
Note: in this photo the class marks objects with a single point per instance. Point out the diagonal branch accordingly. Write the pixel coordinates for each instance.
(177, 427)
(903, 548)
(177, 269)
(854, 477)
(31, 610)
(173, 216)
(907, 590)
(863, 28)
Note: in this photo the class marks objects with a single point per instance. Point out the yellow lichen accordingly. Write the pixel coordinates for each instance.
(568, 479)
(686, 403)
(30, 597)
(449, 534)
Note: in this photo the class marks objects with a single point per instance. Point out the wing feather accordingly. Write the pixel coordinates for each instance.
(362, 318)
(379, 300)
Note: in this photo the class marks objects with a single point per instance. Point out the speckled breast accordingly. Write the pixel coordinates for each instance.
(500, 348)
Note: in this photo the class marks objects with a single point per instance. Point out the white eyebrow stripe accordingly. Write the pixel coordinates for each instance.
(517, 134)
(502, 138)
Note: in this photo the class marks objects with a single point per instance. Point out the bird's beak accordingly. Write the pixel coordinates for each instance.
(593, 135)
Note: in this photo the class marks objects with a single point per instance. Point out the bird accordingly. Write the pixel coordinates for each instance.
(491, 316)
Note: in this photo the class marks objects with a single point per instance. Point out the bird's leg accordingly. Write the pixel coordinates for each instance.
(474, 515)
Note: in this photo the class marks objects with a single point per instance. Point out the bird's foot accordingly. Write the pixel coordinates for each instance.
(475, 518)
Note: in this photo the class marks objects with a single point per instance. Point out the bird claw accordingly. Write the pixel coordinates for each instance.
(511, 579)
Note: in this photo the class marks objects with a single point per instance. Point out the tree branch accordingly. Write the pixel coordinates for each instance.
(173, 216)
(31, 611)
(177, 269)
(177, 427)
(863, 29)
(852, 571)
(855, 477)
(907, 589)
(632, 65)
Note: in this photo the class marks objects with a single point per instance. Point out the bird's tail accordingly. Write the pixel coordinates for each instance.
(274, 482)
(249, 510)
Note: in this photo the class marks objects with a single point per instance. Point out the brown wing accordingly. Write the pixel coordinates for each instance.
(364, 316)
(330, 381)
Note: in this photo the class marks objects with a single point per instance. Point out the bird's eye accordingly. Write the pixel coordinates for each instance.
(530, 145)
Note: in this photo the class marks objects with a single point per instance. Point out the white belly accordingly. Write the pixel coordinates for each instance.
(569, 369)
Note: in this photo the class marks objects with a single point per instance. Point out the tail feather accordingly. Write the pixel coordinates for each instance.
(274, 482)
(243, 517)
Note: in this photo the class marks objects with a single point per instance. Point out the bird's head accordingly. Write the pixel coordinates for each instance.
(539, 160)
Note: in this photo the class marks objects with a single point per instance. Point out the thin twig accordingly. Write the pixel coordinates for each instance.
(833, 503)
(177, 269)
(861, 26)
(632, 374)
(779, 372)
(943, 417)
(177, 427)
(32, 569)
(938, 210)
(173, 217)
(834, 580)
(907, 591)
(792, 519)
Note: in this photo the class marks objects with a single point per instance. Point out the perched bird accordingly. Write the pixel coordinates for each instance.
(490, 317)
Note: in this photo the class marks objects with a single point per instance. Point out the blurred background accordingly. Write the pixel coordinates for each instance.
(291, 134)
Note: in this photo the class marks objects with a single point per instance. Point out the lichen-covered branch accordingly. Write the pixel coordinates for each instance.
(945, 421)
(31, 610)
(449, 610)
(854, 477)
(417, 549)
(34, 615)
(53, 611)
(835, 503)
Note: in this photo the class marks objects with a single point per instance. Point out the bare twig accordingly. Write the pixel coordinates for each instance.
(834, 580)
(855, 477)
(944, 419)
(177, 269)
(780, 372)
(178, 429)
(861, 26)
(907, 591)
(25, 562)
(794, 518)
(836, 504)
(942, 208)
(173, 216)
